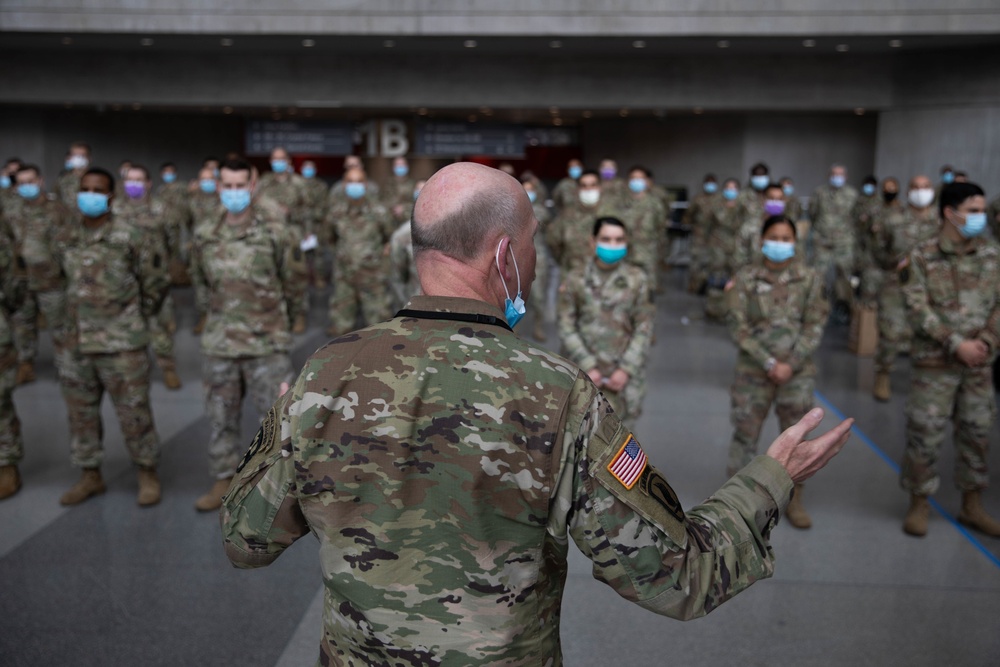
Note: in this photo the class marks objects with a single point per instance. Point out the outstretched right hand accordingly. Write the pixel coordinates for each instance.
(803, 458)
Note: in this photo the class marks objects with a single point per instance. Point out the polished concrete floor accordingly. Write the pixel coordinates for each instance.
(107, 583)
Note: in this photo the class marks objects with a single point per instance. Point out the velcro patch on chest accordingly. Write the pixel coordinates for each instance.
(263, 440)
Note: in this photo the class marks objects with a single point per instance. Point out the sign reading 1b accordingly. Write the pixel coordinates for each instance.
(303, 138)
(451, 139)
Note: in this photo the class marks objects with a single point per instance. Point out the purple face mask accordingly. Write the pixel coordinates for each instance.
(134, 190)
(608, 174)
(774, 207)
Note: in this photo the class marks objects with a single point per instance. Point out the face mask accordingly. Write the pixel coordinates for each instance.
(400, 170)
(921, 197)
(609, 254)
(309, 172)
(868, 189)
(774, 207)
(729, 194)
(416, 193)
(889, 197)
(575, 172)
(169, 177)
(637, 185)
(92, 204)
(837, 181)
(77, 162)
(789, 190)
(135, 189)
(590, 197)
(207, 185)
(354, 190)
(947, 177)
(778, 251)
(532, 196)
(760, 182)
(513, 310)
(608, 174)
(974, 225)
(710, 188)
(235, 201)
(4, 181)
(28, 190)
(279, 166)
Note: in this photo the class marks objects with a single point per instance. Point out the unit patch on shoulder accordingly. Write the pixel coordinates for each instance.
(655, 486)
(262, 441)
(629, 463)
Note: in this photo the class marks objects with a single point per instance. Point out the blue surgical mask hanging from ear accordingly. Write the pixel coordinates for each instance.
(513, 310)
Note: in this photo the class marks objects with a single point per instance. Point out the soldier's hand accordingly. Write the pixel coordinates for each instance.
(972, 352)
(617, 381)
(282, 389)
(780, 373)
(595, 376)
(803, 458)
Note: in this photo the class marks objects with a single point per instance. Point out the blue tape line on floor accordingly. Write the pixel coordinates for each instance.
(892, 464)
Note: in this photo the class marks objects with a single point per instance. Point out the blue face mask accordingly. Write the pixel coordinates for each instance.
(532, 196)
(609, 254)
(354, 190)
(778, 251)
(974, 225)
(789, 190)
(235, 201)
(711, 187)
(4, 181)
(28, 190)
(207, 185)
(309, 172)
(575, 172)
(169, 177)
(400, 170)
(868, 189)
(279, 166)
(416, 193)
(92, 204)
(837, 181)
(637, 185)
(948, 177)
(729, 194)
(513, 310)
(760, 182)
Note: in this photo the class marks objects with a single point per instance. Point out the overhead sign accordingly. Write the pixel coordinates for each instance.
(451, 139)
(299, 137)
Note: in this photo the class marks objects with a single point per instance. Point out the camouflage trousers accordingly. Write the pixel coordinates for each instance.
(964, 396)
(11, 443)
(840, 258)
(52, 305)
(752, 396)
(226, 383)
(538, 301)
(894, 331)
(125, 377)
(161, 337)
(648, 262)
(362, 288)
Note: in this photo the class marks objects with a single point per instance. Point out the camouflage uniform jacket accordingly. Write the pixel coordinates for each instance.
(154, 217)
(645, 221)
(898, 231)
(606, 318)
(34, 226)
(952, 293)
(565, 193)
(399, 191)
(250, 280)
(359, 233)
(175, 195)
(993, 218)
(204, 207)
(316, 193)
(403, 275)
(569, 235)
(778, 314)
(830, 213)
(289, 194)
(67, 186)
(116, 279)
(12, 288)
(721, 229)
(697, 212)
(444, 468)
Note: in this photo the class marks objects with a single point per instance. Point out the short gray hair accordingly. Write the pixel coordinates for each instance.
(462, 234)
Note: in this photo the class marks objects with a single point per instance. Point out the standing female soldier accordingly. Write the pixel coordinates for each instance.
(720, 234)
(776, 317)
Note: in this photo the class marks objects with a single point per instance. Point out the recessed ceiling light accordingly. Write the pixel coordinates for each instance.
(146, 41)
(68, 105)
(470, 44)
(623, 113)
(473, 118)
(859, 111)
(276, 116)
(389, 43)
(116, 107)
(638, 44)
(808, 43)
(308, 43)
(225, 41)
(895, 43)
(843, 48)
(136, 106)
(422, 111)
(723, 44)
(292, 111)
(698, 111)
(308, 113)
(555, 44)
(227, 110)
(486, 111)
(66, 41)
(587, 114)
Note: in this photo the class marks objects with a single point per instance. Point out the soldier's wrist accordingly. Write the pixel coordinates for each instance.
(770, 364)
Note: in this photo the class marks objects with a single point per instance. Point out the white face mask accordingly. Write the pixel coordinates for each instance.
(921, 197)
(590, 197)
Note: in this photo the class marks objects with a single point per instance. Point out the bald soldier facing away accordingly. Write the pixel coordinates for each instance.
(444, 463)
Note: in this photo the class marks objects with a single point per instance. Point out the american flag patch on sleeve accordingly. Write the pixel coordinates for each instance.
(629, 463)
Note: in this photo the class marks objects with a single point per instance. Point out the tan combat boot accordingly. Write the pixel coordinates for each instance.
(199, 327)
(974, 515)
(213, 499)
(90, 484)
(171, 380)
(10, 481)
(300, 324)
(882, 391)
(915, 522)
(149, 487)
(25, 372)
(795, 512)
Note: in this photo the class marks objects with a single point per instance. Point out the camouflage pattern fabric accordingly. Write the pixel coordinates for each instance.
(68, 186)
(227, 382)
(565, 193)
(538, 302)
(615, 193)
(952, 293)
(444, 468)
(833, 234)
(399, 192)
(403, 278)
(249, 280)
(697, 218)
(606, 322)
(645, 219)
(993, 218)
(568, 236)
(720, 235)
(287, 191)
(12, 289)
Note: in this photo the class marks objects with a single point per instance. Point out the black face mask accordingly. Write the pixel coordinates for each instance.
(889, 197)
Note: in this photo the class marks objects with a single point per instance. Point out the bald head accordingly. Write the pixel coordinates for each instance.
(465, 208)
